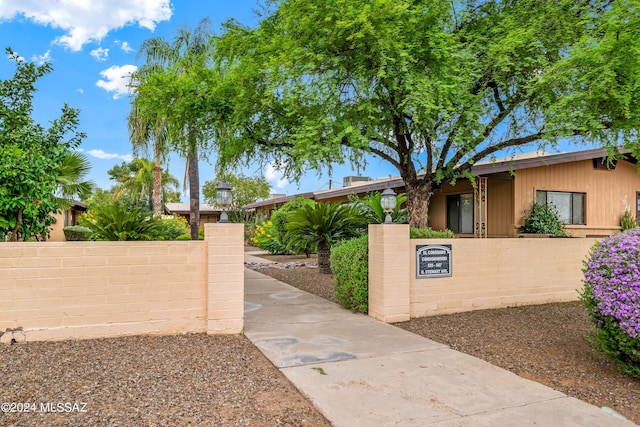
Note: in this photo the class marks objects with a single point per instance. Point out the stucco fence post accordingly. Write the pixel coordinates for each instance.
(389, 284)
(225, 278)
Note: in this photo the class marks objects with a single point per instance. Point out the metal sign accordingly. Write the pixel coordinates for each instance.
(433, 261)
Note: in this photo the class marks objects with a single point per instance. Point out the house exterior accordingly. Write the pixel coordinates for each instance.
(208, 214)
(589, 195)
(66, 218)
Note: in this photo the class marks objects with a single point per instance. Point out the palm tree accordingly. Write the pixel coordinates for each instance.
(324, 225)
(148, 132)
(175, 72)
(74, 168)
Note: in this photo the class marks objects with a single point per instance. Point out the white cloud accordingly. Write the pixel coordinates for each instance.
(86, 21)
(117, 79)
(275, 176)
(99, 154)
(125, 46)
(80, 90)
(42, 59)
(100, 54)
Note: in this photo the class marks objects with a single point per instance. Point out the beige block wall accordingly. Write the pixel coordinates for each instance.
(389, 272)
(225, 276)
(69, 290)
(498, 273)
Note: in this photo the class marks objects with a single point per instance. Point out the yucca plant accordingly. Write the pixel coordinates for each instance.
(118, 222)
(323, 225)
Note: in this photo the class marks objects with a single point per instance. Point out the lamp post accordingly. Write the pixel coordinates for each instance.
(388, 203)
(224, 197)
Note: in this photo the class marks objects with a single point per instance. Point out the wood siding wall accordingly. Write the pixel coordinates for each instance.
(499, 205)
(608, 192)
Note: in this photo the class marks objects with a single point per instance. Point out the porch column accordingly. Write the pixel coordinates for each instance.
(480, 207)
(389, 265)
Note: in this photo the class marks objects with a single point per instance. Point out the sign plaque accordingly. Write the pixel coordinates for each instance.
(433, 261)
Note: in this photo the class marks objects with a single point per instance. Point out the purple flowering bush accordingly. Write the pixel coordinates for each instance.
(611, 295)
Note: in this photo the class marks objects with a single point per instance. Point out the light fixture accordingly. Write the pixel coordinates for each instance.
(224, 197)
(388, 203)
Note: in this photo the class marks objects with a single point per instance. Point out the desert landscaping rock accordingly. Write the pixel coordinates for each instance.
(182, 380)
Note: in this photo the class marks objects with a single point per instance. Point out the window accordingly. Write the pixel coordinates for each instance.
(570, 206)
(460, 213)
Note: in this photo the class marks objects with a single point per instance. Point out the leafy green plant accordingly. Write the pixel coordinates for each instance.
(611, 295)
(324, 225)
(429, 233)
(118, 222)
(264, 238)
(350, 264)
(371, 208)
(184, 237)
(280, 218)
(627, 221)
(174, 226)
(76, 233)
(543, 219)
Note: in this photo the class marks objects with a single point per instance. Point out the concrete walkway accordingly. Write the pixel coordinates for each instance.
(361, 372)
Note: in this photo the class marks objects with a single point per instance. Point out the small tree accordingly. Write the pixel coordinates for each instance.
(31, 157)
(324, 225)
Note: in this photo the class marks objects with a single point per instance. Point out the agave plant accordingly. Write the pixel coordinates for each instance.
(118, 222)
(323, 225)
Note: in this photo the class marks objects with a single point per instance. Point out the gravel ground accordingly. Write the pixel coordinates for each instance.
(545, 343)
(181, 380)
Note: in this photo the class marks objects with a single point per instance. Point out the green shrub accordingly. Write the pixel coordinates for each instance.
(185, 236)
(627, 221)
(543, 219)
(611, 294)
(264, 238)
(350, 264)
(118, 222)
(280, 219)
(76, 233)
(429, 233)
(174, 226)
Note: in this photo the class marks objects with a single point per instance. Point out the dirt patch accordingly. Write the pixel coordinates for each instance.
(544, 343)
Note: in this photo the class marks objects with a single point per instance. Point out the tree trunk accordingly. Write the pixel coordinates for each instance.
(157, 190)
(418, 198)
(324, 260)
(14, 232)
(194, 192)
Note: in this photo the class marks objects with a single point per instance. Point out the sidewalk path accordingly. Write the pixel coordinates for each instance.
(361, 372)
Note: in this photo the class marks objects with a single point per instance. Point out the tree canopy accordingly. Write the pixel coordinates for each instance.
(245, 189)
(430, 87)
(32, 157)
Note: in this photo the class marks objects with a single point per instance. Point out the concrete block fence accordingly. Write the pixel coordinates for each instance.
(485, 273)
(72, 290)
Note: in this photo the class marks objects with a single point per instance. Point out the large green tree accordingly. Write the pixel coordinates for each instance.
(31, 156)
(176, 84)
(245, 189)
(431, 87)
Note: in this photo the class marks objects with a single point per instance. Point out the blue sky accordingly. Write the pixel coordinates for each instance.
(92, 45)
